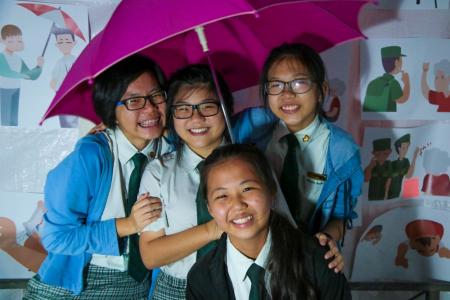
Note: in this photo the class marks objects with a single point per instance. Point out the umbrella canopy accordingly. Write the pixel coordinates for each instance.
(56, 15)
(239, 33)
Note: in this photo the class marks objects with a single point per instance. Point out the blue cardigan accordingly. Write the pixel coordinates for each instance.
(75, 197)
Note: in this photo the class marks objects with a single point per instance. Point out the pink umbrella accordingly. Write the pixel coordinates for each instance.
(239, 34)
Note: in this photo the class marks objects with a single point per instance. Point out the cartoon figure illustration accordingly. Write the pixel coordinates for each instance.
(374, 234)
(440, 96)
(436, 182)
(12, 69)
(65, 41)
(379, 171)
(401, 167)
(425, 237)
(384, 92)
(337, 89)
(25, 247)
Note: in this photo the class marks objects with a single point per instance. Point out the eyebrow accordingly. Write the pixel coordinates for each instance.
(183, 102)
(295, 76)
(240, 184)
(139, 94)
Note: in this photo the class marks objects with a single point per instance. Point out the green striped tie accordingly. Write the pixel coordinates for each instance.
(136, 267)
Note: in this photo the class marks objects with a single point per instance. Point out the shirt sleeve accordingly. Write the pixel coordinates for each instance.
(151, 183)
(75, 195)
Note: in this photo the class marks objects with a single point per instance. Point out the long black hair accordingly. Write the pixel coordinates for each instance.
(110, 86)
(286, 257)
(303, 54)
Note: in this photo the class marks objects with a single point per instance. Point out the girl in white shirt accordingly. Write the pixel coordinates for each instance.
(195, 117)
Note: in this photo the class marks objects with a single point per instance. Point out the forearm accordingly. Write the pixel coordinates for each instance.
(74, 239)
(167, 249)
(124, 227)
(424, 85)
(405, 96)
(27, 257)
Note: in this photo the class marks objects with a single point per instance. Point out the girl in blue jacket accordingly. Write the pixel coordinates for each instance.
(92, 218)
(317, 164)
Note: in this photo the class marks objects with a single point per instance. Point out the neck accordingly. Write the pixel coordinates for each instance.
(250, 247)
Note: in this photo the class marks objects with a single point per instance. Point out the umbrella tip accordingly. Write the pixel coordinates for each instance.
(91, 81)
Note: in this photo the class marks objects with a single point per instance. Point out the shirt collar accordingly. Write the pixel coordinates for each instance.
(127, 149)
(190, 159)
(239, 259)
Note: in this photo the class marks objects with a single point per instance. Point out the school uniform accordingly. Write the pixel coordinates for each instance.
(212, 276)
(330, 174)
(84, 195)
(175, 179)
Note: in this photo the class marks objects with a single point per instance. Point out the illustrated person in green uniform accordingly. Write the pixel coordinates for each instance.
(384, 92)
(401, 167)
(379, 171)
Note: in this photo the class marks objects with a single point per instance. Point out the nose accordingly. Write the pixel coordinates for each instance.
(238, 202)
(196, 114)
(287, 90)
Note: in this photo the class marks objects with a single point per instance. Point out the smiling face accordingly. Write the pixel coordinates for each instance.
(201, 134)
(296, 110)
(141, 126)
(13, 43)
(240, 204)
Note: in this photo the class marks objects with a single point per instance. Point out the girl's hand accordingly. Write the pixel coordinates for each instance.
(338, 262)
(214, 232)
(145, 211)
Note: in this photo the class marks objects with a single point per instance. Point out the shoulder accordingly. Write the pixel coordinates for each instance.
(161, 165)
(93, 145)
(341, 138)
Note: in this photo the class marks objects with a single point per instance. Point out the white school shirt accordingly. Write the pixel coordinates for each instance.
(175, 181)
(312, 158)
(122, 151)
(238, 264)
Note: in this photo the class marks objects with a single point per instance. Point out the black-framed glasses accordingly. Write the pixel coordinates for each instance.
(205, 109)
(138, 102)
(297, 86)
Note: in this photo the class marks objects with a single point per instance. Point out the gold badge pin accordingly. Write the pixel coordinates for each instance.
(306, 138)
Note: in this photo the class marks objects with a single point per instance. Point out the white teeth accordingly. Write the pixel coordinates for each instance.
(198, 130)
(147, 123)
(289, 107)
(243, 220)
